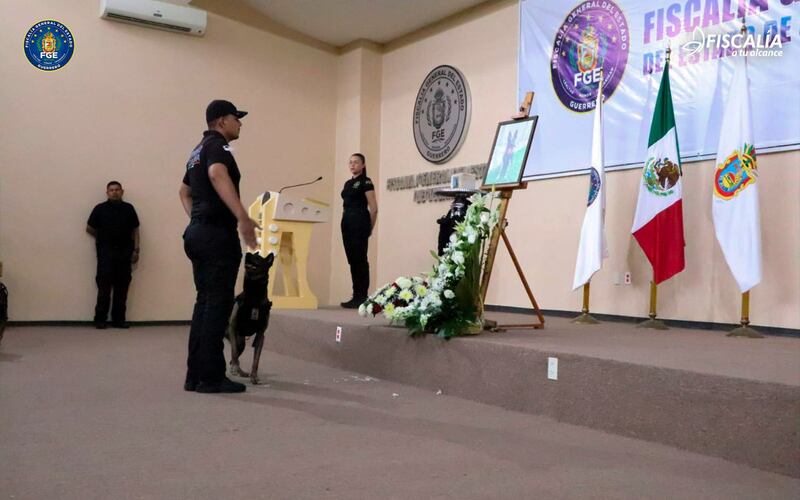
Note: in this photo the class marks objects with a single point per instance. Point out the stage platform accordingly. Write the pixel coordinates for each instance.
(698, 390)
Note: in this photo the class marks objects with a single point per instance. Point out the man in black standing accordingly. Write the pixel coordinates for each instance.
(115, 227)
(210, 196)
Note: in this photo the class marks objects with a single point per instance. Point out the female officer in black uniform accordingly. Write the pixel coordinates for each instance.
(358, 219)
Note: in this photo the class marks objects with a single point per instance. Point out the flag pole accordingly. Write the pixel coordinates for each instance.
(585, 318)
(744, 330)
(653, 323)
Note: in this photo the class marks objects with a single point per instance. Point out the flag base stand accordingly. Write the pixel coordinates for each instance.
(585, 319)
(744, 329)
(653, 324)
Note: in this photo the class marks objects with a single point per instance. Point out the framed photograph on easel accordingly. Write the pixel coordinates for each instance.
(512, 142)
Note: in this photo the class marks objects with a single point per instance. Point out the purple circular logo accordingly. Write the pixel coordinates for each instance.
(592, 41)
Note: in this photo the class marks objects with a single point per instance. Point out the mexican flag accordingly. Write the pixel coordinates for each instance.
(658, 223)
(735, 200)
(593, 248)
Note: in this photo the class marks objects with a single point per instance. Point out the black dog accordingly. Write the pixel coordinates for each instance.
(250, 314)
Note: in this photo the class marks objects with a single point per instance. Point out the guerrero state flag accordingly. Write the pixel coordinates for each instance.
(658, 223)
(593, 248)
(735, 200)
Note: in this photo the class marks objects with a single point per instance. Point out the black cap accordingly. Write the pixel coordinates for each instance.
(219, 108)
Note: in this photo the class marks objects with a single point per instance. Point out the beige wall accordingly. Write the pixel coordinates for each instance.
(129, 106)
(358, 76)
(545, 219)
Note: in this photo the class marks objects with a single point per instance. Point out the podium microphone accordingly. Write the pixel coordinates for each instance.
(298, 185)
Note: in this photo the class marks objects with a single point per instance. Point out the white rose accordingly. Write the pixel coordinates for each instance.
(423, 320)
(362, 310)
(448, 294)
(403, 283)
(458, 257)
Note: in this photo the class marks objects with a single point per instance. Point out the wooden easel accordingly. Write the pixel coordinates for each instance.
(500, 232)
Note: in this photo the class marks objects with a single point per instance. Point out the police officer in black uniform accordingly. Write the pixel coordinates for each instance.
(358, 219)
(210, 196)
(115, 227)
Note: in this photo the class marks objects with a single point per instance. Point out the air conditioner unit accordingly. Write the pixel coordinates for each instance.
(155, 14)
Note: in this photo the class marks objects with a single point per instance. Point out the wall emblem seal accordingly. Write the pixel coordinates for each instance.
(441, 114)
(49, 45)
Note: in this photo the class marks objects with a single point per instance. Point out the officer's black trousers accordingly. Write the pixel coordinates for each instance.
(215, 254)
(356, 229)
(113, 274)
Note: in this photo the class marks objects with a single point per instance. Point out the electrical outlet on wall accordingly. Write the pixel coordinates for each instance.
(627, 277)
(552, 368)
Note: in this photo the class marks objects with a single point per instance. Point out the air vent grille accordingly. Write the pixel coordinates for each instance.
(147, 22)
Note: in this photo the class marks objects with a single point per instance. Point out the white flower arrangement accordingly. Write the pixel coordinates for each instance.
(447, 299)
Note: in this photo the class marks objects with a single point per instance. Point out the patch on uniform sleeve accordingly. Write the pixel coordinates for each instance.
(194, 158)
(368, 182)
(226, 147)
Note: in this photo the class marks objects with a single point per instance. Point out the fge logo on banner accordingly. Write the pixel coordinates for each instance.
(49, 45)
(593, 40)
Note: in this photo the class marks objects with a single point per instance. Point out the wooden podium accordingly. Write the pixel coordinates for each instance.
(286, 222)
